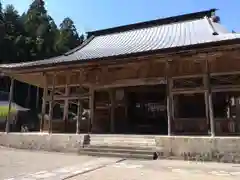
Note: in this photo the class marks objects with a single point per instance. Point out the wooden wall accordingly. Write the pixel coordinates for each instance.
(150, 67)
(223, 62)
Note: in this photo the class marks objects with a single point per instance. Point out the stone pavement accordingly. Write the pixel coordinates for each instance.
(20, 165)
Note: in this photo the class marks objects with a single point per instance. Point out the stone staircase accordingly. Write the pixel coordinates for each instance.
(124, 146)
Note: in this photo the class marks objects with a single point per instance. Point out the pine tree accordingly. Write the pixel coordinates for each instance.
(2, 31)
(14, 35)
(41, 29)
(33, 36)
(68, 37)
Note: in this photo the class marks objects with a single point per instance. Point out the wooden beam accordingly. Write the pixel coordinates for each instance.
(132, 82)
(122, 83)
(189, 119)
(44, 101)
(187, 76)
(217, 87)
(188, 89)
(69, 97)
(51, 104)
(226, 90)
(192, 91)
(10, 99)
(225, 73)
(71, 85)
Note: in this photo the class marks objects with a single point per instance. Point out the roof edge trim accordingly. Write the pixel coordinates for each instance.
(88, 40)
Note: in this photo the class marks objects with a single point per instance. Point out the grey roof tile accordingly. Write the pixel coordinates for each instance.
(178, 34)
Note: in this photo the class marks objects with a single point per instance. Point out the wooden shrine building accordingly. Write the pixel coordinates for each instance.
(177, 75)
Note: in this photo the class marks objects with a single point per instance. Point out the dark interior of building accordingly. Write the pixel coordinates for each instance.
(147, 109)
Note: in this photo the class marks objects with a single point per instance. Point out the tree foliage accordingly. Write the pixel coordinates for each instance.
(67, 36)
(34, 35)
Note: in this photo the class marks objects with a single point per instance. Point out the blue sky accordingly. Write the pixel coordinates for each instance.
(91, 15)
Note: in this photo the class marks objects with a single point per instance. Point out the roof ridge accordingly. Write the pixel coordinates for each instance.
(161, 21)
(156, 26)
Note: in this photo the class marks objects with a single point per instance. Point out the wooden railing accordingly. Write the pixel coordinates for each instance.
(187, 126)
(226, 126)
(190, 126)
(58, 126)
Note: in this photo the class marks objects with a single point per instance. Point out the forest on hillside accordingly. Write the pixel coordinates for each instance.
(31, 36)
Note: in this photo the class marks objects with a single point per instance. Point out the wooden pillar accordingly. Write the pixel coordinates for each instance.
(211, 115)
(237, 121)
(37, 98)
(27, 101)
(169, 105)
(51, 104)
(91, 107)
(169, 83)
(10, 99)
(112, 110)
(208, 99)
(206, 96)
(79, 116)
(45, 93)
(66, 103)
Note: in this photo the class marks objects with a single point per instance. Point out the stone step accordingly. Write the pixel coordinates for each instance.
(123, 147)
(123, 138)
(112, 136)
(136, 142)
(118, 150)
(134, 136)
(118, 154)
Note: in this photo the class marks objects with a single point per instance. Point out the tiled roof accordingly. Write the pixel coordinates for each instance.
(145, 39)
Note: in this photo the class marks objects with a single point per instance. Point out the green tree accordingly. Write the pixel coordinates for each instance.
(2, 31)
(14, 40)
(33, 36)
(41, 29)
(68, 37)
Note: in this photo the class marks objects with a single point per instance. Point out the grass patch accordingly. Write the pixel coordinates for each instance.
(4, 111)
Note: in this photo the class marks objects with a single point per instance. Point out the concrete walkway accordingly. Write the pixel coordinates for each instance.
(20, 164)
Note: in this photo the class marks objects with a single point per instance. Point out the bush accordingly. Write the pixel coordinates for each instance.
(4, 111)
